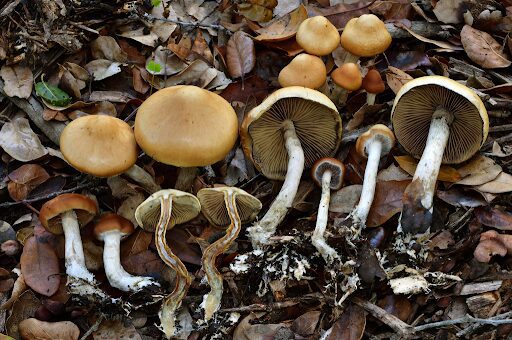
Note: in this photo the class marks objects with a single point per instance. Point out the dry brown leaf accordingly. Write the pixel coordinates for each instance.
(247, 331)
(283, 28)
(200, 47)
(241, 55)
(40, 267)
(392, 173)
(69, 83)
(136, 243)
(93, 255)
(446, 173)
(305, 324)
(396, 78)
(494, 217)
(255, 12)
(476, 165)
(145, 263)
(24, 179)
(501, 184)
(169, 63)
(449, 11)
(463, 197)
(103, 68)
(31, 329)
(481, 177)
(482, 49)
(106, 47)
(20, 142)
(359, 117)
(18, 81)
(442, 44)
(115, 329)
(350, 326)
(77, 71)
(387, 202)
(198, 73)
(139, 84)
(392, 10)
(23, 308)
(19, 287)
(345, 199)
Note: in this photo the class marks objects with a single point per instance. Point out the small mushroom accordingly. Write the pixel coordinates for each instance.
(223, 207)
(328, 174)
(318, 36)
(158, 213)
(111, 229)
(441, 121)
(304, 70)
(67, 213)
(492, 243)
(373, 84)
(347, 78)
(374, 143)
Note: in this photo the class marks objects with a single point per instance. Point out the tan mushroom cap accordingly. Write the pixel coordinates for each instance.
(318, 36)
(317, 125)
(365, 36)
(84, 208)
(373, 83)
(380, 132)
(336, 168)
(113, 222)
(99, 145)
(304, 70)
(347, 76)
(185, 207)
(214, 207)
(415, 104)
(186, 126)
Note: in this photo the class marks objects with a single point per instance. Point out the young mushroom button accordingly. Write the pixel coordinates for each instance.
(317, 36)
(304, 70)
(373, 84)
(347, 78)
(441, 121)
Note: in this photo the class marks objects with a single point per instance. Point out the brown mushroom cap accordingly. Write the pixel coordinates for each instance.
(214, 208)
(186, 126)
(99, 145)
(337, 172)
(415, 104)
(84, 208)
(317, 125)
(113, 222)
(365, 36)
(318, 36)
(380, 132)
(373, 83)
(492, 243)
(347, 76)
(304, 70)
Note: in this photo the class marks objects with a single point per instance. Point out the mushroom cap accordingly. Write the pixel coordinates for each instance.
(84, 208)
(347, 76)
(317, 125)
(304, 70)
(215, 210)
(373, 83)
(99, 145)
(111, 222)
(318, 36)
(377, 132)
(186, 126)
(185, 207)
(337, 172)
(365, 36)
(415, 104)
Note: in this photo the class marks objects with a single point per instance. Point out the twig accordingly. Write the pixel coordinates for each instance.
(477, 325)
(465, 319)
(184, 23)
(423, 28)
(260, 307)
(93, 328)
(501, 128)
(489, 144)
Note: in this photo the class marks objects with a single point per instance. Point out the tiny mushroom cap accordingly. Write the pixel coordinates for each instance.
(417, 101)
(373, 82)
(186, 126)
(317, 124)
(318, 36)
(347, 76)
(99, 145)
(365, 36)
(84, 208)
(378, 132)
(112, 222)
(304, 70)
(333, 165)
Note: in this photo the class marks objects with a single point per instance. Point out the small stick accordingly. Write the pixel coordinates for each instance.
(465, 319)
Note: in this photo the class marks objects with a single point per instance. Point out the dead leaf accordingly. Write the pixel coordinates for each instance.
(396, 9)
(305, 324)
(103, 68)
(446, 173)
(198, 73)
(34, 329)
(106, 47)
(145, 263)
(254, 89)
(6, 281)
(40, 267)
(482, 49)
(93, 255)
(359, 117)
(350, 326)
(494, 217)
(19, 141)
(169, 63)
(77, 71)
(501, 184)
(18, 81)
(23, 308)
(393, 173)
(247, 331)
(24, 179)
(396, 78)
(122, 189)
(497, 150)
(115, 329)
(178, 240)
(255, 12)
(200, 47)
(387, 202)
(284, 27)
(139, 34)
(236, 169)
(136, 243)
(462, 197)
(442, 44)
(449, 11)
(241, 55)
(139, 84)
(345, 200)
(481, 177)
(69, 83)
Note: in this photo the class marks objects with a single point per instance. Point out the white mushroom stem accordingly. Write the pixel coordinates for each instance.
(350, 58)
(116, 274)
(141, 176)
(370, 98)
(74, 252)
(262, 230)
(186, 177)
(318, 239)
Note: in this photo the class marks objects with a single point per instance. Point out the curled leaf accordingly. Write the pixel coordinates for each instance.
(20, 142)
(482, 49)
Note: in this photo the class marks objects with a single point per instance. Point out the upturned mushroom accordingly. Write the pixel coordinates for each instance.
(373, 85)
(290, 129)
(223, 207)
(441, 121)
(111, 229)
(492, 243)
(159, 213)
(317, 36)
(347, 78)
(304, 70)
(373, 144)
(328, 174)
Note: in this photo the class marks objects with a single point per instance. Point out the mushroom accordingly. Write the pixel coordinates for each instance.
(318, 36)
(373, 84)
(111, 228)
(492, 243)
(223, 207)
(103, 146)
(160, 212)
(374, 143)
(67, 213)
(328, 174)
(365, 36)
(347, 78)
(290, 129)
(441, 121)
(304, 70)
(186, 126)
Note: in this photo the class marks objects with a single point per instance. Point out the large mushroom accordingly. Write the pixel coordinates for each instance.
(223, 207)
(159, 213)
(317, 36)
(441, 121)
(290, 129)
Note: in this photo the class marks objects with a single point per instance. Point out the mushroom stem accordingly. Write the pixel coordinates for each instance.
(350, 58)
(262, 230)
(318, 240)
(74, 252)
(186, 178)
(370, 98)
(141, 176)
(339, 95)
(211, 301)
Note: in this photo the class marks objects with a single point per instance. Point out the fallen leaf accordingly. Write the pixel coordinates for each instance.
(255, 12)
(482, 49)
(245, 330)
(123, 190)
(305, 324)
(178, 241)
(201, 49)
(103, 68)
(284, 27)
(393, 173)
(69, 83)
(77, 71)
(169, 62)
(396, 78)
(19, 141)
(449, 11)
(116, 329)
(387, 202)
(484, 176)
(6, 232)
(462, 197)
(254, 88)
(442, 44)
(443, 240)
(93, 255)
(145, 263)
(359, 117)
(139, 34)
(136, 243)
(198, 73)
(106, 47)
(501, 184)
(6, 281)
(236, 171)
(34, 329)
(18, 81)
(497, 151)
(40, 267)
(23, 308)
(241, 55)
(345, 200)
(392, 10)
(408, 60)
(397, 305)
(351, 324)
(446, 173)
(494, 217)
(24, 179)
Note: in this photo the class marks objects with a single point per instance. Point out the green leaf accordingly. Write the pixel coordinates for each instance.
(52, 94)
(156, 3)
(153, 67)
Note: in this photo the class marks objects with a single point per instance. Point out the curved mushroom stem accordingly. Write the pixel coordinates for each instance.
(141, 176)
(74, 251)
(116, 274)
(318, 240)
(211, 301)
(418, 197)
(262, 230)
(370, 98)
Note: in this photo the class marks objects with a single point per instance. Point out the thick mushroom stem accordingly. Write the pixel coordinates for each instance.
(318, 239)
(339, 95)
(140, 176)
(262, 230)
(186, 177)
(350, 58)
(74, 251)
(370, 98)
